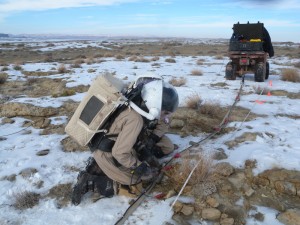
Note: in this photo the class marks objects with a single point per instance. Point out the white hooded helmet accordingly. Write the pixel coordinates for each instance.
(157, 96)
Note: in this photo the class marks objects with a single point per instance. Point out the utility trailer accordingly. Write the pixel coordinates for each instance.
(249, 48)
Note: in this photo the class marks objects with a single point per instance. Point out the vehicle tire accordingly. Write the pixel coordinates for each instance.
(260, 72)
(267, 70)
(230, 71)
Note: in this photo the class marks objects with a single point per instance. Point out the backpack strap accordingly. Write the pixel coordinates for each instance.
(101, 140)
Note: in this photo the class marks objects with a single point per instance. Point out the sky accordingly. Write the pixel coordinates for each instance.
(159, 18)
(276, 146)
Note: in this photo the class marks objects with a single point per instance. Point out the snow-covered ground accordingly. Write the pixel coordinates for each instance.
(18, 151)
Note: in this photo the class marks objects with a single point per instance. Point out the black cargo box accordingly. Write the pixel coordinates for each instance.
(243, 33)
(249, 30)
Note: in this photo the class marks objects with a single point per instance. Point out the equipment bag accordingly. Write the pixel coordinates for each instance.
(102, 99)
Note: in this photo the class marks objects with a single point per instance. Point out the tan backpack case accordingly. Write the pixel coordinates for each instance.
(102, 98)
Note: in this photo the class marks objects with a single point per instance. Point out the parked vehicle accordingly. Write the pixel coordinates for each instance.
(249, 48)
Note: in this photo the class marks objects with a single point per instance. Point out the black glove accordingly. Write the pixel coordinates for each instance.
(147, 155)
(142, 169)
(157, 152)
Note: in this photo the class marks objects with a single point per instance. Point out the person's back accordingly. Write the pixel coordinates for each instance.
(117, 154)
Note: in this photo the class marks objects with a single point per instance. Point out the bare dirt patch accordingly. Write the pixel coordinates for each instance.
(62, 194)
(38, 87)
(187, 121)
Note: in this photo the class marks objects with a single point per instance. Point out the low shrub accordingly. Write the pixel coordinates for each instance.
(297, 64)
(119, 57)
(291, 75)
(89, 61)
(31, 80)
(62, 68)
(196, 72)
(3, 78)
(142, 59)
(26, 200)
(177, 82)
(170, 60)
(203, 172)
(194, 101)
(200, 62)
(212, 109)
(17, 67)
(219, 57)
(5, 68)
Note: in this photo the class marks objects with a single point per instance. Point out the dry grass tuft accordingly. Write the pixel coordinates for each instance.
(3, 78)
(5, 68)
(196, 72)
(26, 200)
(156, 58)
(108, 55)
(200, 62)
(194, 101)
(31, 80)
(119, 57)
(142, 59)
(17, 67)
(89, 61)
(203, 172)
(297, 65)
(62, 68)
(177, 82)
(77, 63)
(66, 92)
(132, 58)
(170, 60)
(219, 57)
(98, 55)
(212, 109)
(62, 192)
(291, 75)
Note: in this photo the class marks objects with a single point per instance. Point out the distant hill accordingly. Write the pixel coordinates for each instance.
(4, 35)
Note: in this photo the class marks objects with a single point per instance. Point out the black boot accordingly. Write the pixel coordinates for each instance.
(83, 185)
(92, 167)
(104, 186)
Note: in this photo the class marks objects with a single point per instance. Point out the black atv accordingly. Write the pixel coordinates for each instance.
(249, 48)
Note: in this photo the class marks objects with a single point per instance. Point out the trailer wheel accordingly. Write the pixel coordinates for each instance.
(230, 71)
(260, 72)
(267, 70)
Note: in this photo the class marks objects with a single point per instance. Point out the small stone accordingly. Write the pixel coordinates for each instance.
(170, 194)
(227, 221)
(212, 202)
(2, 138)
(211, 214)
(224, 215)
(177, 207)
(224, 168)
(249, 191)
(187, 210)
(43, 152)
(180, 220)
(290, 217)
(28, 172)
(220, 155)
(10, 178)
(7, 120)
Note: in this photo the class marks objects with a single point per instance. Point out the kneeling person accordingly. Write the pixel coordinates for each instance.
(122, 159)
